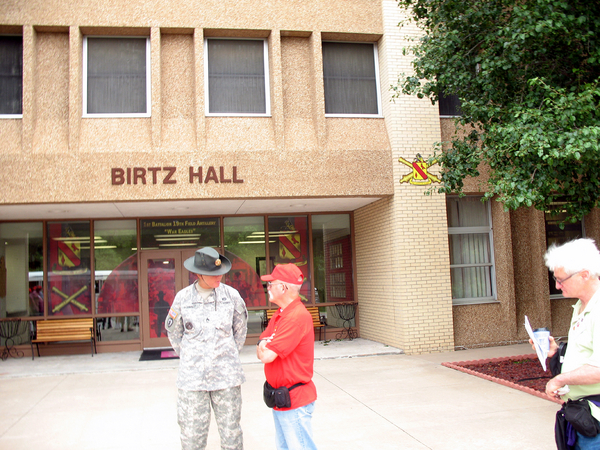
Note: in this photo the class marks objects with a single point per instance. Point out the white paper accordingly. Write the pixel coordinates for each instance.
(542, 354)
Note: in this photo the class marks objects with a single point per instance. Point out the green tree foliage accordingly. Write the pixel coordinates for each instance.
(527, 74)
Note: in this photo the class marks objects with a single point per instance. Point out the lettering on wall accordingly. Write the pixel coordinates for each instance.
(168, 175)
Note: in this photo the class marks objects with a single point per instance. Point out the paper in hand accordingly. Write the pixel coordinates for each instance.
(542, 354)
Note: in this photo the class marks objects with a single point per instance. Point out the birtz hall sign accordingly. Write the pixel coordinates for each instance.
(173, 175)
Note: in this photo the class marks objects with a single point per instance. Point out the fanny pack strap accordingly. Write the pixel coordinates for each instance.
(295, 386)
(595, 399)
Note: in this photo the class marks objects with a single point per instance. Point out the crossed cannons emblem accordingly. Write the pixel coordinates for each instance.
(419, 174)
(69, 299)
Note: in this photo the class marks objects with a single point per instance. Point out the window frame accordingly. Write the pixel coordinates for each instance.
(16, 116)
(378, 99)
(148, 111)
(267, 112)
(492, 264)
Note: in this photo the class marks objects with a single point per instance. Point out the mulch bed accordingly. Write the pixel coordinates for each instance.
(522, 372)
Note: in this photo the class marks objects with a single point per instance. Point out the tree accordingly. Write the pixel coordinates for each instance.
(527, 75)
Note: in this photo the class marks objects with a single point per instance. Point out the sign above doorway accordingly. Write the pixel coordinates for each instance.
(168, 175)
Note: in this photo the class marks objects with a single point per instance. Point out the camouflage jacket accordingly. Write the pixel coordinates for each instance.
(208, 336)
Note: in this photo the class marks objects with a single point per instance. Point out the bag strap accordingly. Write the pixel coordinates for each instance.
(591, 398)
(557, 360)
(300, 384)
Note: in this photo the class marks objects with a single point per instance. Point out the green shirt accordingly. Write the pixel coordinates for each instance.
(584, 348)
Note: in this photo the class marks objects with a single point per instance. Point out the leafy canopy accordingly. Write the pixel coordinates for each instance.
(527, 74)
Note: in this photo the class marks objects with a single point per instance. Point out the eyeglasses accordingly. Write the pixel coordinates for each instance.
(270, 283)
(565, 279)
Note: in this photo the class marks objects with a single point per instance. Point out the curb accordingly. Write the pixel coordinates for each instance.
(457, 366)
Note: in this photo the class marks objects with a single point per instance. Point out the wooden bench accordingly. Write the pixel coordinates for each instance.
(318, 321)
(64, 330)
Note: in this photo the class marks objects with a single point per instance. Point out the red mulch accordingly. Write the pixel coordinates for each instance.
(520, 372)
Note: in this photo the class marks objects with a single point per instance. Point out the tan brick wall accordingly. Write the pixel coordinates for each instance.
(403, 272)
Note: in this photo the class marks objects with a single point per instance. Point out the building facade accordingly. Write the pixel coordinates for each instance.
(132, 134)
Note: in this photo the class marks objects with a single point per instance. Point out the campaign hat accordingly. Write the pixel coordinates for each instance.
(207, 261)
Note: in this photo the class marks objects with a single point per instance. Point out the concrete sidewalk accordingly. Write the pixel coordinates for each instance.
(370, 397)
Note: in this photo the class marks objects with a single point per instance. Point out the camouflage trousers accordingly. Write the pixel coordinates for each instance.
(193, 416)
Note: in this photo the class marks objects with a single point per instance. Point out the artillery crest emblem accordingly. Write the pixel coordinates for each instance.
(419, 174)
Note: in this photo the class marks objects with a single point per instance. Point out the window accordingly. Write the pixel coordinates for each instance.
(350, 79)
(245, 247)
(332, 247)
(69, 276)
(237, 77)
(115, 264)
(11, 76)
(449, 105)
(471, 250)
(116, 77)
(21, 256)
(556, 235)
(288, 244)
(168, 234)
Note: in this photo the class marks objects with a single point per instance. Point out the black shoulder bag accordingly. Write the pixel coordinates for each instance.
(279, 397)
(576, 412)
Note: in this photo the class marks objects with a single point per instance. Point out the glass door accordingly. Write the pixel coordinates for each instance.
(162, 275)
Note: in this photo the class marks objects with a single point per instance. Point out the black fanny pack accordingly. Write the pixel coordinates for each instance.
(578, 414)
(279, 397)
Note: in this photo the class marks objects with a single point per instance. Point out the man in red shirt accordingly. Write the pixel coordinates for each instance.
(287, 348)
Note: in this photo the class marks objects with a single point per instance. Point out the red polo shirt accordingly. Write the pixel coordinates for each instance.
(294, 342)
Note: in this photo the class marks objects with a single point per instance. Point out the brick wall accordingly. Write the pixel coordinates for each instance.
(403, 275)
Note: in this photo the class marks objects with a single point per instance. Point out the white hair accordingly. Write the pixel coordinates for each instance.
(574, 256)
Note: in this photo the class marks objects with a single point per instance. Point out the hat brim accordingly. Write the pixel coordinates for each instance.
(219, 270)
(268, 278)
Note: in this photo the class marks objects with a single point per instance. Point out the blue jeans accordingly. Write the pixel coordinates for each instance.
(293, 429)
(586, 443)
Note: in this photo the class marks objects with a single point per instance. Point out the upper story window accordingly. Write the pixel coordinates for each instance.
(116, 77)
(557, 235)
(449, 105)
(350, 78)
(472, 271)
(237, 77)
(11, 76)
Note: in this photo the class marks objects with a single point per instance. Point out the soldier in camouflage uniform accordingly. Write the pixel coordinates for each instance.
(207, 326)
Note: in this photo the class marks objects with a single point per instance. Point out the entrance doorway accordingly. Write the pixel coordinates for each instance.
(162, 275)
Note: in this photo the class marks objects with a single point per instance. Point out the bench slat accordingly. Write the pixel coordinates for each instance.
(63, 329)
(66, 338)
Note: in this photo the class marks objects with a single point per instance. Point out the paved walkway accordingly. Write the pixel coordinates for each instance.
(370, 397)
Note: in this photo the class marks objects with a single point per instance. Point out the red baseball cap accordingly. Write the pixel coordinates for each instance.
(288, 273)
